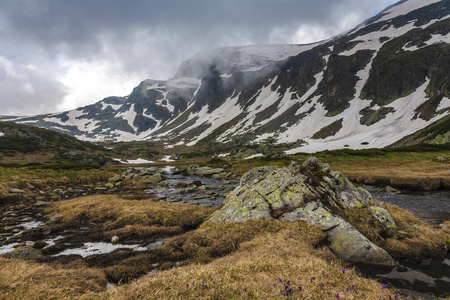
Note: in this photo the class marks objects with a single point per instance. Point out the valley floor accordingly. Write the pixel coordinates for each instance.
(254, 259)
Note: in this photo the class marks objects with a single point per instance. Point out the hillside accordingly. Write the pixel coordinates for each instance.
(20, 142)
(370, 87)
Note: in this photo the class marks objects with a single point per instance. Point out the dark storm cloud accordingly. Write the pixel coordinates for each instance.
(140, 39)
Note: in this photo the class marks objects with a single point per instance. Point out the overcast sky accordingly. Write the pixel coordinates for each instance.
(57, 55)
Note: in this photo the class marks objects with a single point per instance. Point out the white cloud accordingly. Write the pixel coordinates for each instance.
(89, 82)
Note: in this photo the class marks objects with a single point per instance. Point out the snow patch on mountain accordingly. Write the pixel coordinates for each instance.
(112, 106)
(396, 125)
(129, 116)
(444, 104)
(435, 39)
(229, 110)
(404, 8)
(371, 41)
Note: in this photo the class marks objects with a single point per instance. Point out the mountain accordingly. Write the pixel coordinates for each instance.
(371, 87)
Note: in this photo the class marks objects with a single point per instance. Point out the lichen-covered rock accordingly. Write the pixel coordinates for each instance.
(350, 245)
(155, 178)
(191, 169)
(294, 186)
(309, 192)
(27, 253)
(345, 241)
(314, 214)
(385, 218)
(207, 171)
(243, 204)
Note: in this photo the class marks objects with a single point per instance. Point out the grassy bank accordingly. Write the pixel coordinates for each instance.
(411, 168)
(12, 176)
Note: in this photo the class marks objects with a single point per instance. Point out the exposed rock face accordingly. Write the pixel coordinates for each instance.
(309, 192)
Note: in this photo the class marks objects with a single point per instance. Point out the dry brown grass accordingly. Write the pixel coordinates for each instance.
(204, 245)
(407, 170)
(44, 178)
(30, 280)
(253, 271)
(225, 261)
(423, 241)
(117, 215)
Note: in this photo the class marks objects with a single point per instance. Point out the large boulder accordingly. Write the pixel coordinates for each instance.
(310, 192)
(344, 240)
(292, 187)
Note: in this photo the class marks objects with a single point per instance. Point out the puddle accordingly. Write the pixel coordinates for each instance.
(426, 280)
(104, 248)
(7, 248)
(134, 161)
(52, 242)
(31, 224)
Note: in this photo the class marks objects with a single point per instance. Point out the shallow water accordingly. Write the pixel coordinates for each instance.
(214, 193)
(425, 280)
(433, 206)
(90, 248)
(431, 276)
(7, 248)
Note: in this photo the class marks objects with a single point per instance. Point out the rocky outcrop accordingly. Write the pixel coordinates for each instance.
(310, 192)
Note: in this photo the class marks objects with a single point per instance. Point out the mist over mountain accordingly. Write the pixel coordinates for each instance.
(385, 80)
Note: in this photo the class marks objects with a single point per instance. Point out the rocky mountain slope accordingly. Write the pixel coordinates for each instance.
(370, 87)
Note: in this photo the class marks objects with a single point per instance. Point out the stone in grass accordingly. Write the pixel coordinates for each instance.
(345, 241)
(115, 239)
(30, 244)
(26, 253)
(385, 218)
(156, 178)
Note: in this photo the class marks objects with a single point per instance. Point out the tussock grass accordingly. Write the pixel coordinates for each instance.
(204, 245)
(41, 177)
(117, 215)
(422, 240)
(31, 280)
(283, 251)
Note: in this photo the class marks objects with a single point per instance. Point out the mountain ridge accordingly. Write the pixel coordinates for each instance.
(370, 87)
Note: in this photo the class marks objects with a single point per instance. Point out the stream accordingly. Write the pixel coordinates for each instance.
(431, 206)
